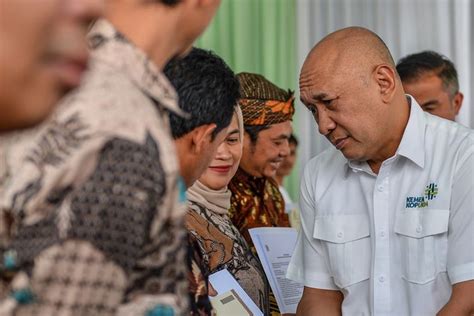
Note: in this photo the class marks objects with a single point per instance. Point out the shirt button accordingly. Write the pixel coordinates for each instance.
(419, 229)
(381, 279)
(380, 188)
(340, 235)
(382, 234)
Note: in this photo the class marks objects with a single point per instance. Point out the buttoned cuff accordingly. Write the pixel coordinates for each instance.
(461, 273)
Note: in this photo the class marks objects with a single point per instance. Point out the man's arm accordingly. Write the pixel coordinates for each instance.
(317, 302)
(461, 301)
(460, 237)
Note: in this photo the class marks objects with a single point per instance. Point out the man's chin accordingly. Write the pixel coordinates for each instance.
(351, 155)
(270, 173)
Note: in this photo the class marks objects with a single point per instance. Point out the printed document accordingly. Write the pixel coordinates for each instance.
(275, 246)
(231, 299)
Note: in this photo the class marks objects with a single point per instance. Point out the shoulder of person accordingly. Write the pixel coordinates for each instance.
(116, 108)
(329, 158)
(453, 137)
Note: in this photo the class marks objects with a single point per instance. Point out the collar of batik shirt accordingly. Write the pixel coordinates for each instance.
(109, 46)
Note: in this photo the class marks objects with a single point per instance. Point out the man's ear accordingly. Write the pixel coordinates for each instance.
(202, 137)
(457, 102)
(385, 78)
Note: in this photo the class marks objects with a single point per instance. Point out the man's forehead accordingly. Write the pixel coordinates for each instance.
(315, 66)
(426, 76)
(317, 89)
(318, 76)
(424, 83)
(322, 85)
(280, 129)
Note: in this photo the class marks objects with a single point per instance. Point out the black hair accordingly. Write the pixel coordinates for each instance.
(207, 89)
(254, 130)
(411, 67)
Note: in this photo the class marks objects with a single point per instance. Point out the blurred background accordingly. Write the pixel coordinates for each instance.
(273, 37)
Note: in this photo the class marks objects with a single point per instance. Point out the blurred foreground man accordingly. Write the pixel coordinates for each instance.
(43, 53)
(432, 80)
(90, 218)
(387, 213)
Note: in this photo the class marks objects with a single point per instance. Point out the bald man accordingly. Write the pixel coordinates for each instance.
(387, 221)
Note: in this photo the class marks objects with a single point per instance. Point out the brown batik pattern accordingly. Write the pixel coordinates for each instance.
(222, 247)
(256, 202)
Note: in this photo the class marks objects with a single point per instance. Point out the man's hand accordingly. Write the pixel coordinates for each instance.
(317, 302)
(461, 302)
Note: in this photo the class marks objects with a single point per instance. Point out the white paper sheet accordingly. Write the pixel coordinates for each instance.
(274, 246)
(223, 282)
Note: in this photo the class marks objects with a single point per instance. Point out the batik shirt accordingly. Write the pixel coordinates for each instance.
(198, 280)
(90, 222)
(222, 247)
(256, 202)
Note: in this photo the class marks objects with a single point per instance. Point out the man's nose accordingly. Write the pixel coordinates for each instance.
(223, 152)
(285, 149)
(325, 123)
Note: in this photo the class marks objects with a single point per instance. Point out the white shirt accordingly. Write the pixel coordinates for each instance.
(289, 205)
(393, 243)
(291, 209)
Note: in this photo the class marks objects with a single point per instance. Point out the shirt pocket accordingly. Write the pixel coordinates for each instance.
(423, 243)
(346, 239)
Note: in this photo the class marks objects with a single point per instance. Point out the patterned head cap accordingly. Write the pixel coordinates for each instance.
(262, 102)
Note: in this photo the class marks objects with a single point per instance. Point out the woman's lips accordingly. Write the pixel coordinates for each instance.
(220, 169)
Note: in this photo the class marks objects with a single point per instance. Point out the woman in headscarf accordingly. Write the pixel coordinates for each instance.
(219, 242)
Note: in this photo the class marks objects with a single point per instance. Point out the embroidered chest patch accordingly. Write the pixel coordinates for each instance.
(430, 193)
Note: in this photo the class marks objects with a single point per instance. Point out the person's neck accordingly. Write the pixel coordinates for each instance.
(279, 179)
(251, 172)
(185, 161)
(156, 37)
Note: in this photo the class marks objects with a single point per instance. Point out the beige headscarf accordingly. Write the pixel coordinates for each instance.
(217, 201)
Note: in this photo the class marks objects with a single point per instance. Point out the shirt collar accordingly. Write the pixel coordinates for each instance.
(412, 145)
(257, 184)
(111, 47)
